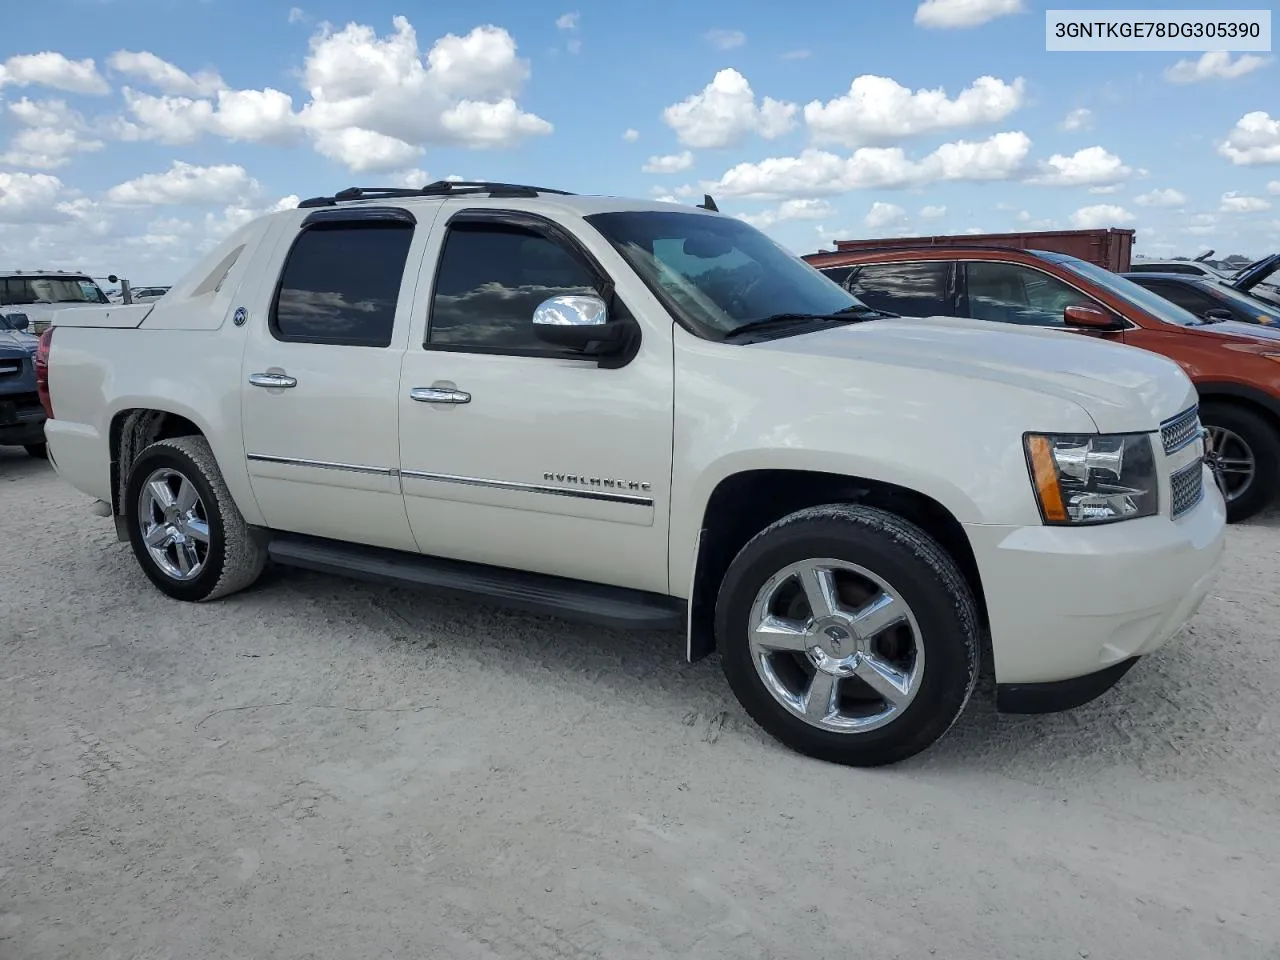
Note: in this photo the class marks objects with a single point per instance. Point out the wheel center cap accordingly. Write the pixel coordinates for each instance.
(837, 638)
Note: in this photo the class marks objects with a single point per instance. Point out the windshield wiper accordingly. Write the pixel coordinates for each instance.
(851, 314)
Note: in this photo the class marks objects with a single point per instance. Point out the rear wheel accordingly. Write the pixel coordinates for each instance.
(38, 450)
(848, 634)
(185, 530)
(1242, 449)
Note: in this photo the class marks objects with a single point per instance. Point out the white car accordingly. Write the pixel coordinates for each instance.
(41, 294)
(646, 416)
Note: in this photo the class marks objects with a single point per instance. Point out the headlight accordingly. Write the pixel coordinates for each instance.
(1092, 478)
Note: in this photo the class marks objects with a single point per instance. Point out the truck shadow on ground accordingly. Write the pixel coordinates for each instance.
(1164, 715)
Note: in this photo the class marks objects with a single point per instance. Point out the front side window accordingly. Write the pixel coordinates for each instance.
(1012, 293)
(914, 289)
(1184, 296)
(490, 279)
(341, 282)
(718, 274)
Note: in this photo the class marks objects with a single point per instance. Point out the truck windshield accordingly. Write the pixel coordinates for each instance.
(36, 289)
(719, 274)
(1164, 310)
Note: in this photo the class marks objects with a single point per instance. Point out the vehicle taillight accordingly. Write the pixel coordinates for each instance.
(42, 372)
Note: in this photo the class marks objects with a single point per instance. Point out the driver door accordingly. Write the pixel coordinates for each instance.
(516, 453)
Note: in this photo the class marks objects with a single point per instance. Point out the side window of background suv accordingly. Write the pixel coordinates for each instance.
(1013, 293)
(341, 282)
(490, 279)
(913, 289)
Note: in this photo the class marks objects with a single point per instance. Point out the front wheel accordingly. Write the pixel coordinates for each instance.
(186, 532)
(848, 634)
(1242, 449)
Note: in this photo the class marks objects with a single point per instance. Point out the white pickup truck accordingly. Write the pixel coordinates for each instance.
(642, 415)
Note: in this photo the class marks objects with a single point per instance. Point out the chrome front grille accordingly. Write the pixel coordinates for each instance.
(1186, 488)
(1177, 432)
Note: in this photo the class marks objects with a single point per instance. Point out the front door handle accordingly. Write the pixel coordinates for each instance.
(439, 395)
(272, 380)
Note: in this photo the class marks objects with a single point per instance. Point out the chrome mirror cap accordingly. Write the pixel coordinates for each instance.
(571, 311)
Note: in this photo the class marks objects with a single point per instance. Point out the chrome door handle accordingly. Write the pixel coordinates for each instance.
(272, 380)
(439, 395)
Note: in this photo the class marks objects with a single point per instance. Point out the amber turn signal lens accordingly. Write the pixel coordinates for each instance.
(1045, 473)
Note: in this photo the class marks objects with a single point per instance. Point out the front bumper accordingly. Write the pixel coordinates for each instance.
(21, 419)
(1067, 603)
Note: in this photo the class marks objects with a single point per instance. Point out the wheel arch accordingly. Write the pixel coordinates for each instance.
(746, 502)
(1212, 391)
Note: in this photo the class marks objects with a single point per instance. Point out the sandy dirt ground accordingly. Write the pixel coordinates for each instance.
(323, 769)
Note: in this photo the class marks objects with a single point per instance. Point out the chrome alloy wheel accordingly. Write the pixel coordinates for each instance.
(174, 524)
(1231, 461)
(836, 645)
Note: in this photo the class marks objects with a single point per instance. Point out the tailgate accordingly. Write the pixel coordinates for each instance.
(107, 315)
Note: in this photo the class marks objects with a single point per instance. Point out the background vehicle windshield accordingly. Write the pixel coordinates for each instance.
(25, 290)
(1150, 301)
(718, 273)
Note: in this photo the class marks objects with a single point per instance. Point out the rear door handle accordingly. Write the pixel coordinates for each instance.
(439, 395)
(272, 380)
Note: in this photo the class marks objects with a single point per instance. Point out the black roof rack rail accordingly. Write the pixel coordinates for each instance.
(440, 188)
(923, 245)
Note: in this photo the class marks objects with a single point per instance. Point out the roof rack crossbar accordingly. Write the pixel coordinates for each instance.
(440, 188)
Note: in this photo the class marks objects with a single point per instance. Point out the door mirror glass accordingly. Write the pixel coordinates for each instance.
(571, 311)
(1091, 317)
(17, 321)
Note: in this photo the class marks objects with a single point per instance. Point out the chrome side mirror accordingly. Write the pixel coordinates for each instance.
(582, 325)
(571, 311)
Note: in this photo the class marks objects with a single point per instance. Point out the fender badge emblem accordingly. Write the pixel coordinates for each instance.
(240, 316)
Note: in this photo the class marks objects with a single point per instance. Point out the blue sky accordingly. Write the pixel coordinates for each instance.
(133, 133)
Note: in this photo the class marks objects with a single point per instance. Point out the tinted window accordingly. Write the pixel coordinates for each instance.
(1187, 297)
(341, 282)
(1012, 293)
(490, 280)
(912, 289)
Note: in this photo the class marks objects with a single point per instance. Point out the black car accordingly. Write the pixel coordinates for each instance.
(1208, 299)
(21, 415)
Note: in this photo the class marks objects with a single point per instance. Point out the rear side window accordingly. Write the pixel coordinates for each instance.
(341, 282)
(491, 278)
(918, 289)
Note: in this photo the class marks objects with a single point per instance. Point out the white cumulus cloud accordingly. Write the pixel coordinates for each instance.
(884, 214)
(52, 69)
(820, 173)
(881, 109)
(1101, 215)
(1254, 139)
(146, 67)
(53, 133)
(185, 183)
(673, 163)
(1215, 65)
(1235, 202)
(29, 197)
(1081, 118)
(1090, 167)
(932, 212)
(1161, 198)
(631, 135)
(725, 112)
(955, 14)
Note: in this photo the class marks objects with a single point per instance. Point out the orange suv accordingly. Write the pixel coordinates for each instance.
(1235, 366)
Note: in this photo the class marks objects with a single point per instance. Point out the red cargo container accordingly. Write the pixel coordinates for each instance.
(1110, 248)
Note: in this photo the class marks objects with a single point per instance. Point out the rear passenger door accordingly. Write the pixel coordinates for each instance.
(326, 331)
(914, 288)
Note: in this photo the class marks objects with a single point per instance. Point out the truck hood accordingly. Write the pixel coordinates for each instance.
(1123, 389)
(17, 339)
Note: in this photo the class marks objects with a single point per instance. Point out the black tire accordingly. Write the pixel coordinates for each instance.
(234, 558)
(38, 450)
(1261, 438)
(918, 570)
